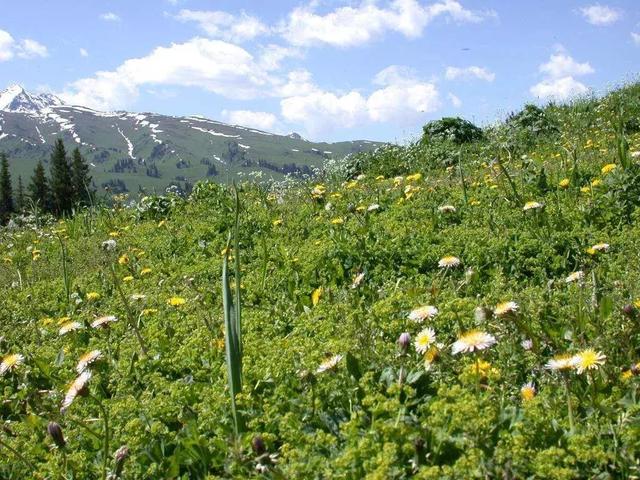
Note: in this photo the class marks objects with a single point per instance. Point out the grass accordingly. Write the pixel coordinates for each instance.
(328, 279)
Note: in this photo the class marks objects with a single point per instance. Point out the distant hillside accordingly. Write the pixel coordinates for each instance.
(151, 151)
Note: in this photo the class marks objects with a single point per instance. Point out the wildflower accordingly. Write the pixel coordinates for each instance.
(419, 314)
(357, 280)
(78, 387)
(596, 182)
(55, 431)
(447, 209)
(352, 184)
(398, 180)
(404, 340)
(92, 296)
(360, 208)
(414, 178)
(600, 247)
(528, 391)
(124, 259)
(337, 221)
(137, 297)
(526, 344)
(431, 356)
(329, 364)
(149, 311)
(315, 296)
(505, 308)
(69, 327)
(608, 168)
(585, 189)
(533, 206)
(161, 223)
(473, 340)
(176, 301)
(128, 278)
(318, 191)
(145, 271)
(104, 321)
(448, 261)
(380, 177)
(35, 254)
(373, 207)
(120, 457)
(109, 245)
(277, 222)
(425, 339)
(11, 362)
(575, 277)
(564, 183)
(587, 359)
(114, 234)
(560, 363)
(87, 359)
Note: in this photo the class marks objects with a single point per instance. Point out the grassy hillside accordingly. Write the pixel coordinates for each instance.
(526, 241)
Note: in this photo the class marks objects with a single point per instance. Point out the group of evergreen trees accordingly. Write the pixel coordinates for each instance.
(69, 185)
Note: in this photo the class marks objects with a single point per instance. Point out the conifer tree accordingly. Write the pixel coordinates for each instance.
(39, 188)
(80, 179)
(61, 186)
(6, 193)
(20, 196)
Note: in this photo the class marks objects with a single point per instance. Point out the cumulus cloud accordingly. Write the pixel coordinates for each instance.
(249, 118)
(400, 98)
(110, 17)
(213, 65)
(559, 82)
(453, 73)
(636, 38)
(600, 15)
(356, 25)
(224, 25)
(26, 48)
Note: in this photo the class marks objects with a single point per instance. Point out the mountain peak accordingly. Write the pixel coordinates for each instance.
(15, 98)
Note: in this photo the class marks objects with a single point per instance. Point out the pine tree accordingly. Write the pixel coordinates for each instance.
(61, 186)
(20, 196)
(6, 193)
(39, 188)
(80, 179)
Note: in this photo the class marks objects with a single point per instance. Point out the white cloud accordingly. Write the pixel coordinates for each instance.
(561, 65)
(212, 65)
(402, 99)
(636, 38)
(559, 82)
(559, 88)
(224, 25)
(271, 55)
(453, 73)
(110, 17)
(26, 48)
(84, 53)
(349, 26)
(248, 118)
(455, 101)
(600, 15)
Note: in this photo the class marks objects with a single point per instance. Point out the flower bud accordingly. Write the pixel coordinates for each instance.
(257, 443)
(404, 340)
(120, 456)
(55, 431)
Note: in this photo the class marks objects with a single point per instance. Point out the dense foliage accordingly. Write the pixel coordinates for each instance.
(473, 319)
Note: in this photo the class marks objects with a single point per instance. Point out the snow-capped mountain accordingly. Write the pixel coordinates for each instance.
(150, 151)
(17, 99)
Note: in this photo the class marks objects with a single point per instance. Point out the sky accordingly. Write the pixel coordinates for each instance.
(328, 69)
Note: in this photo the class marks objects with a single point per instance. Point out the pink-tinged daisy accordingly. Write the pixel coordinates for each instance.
(575, 277)
(528, 391)
(104, 321)
(11, 362)
(560, 363)
(76, 388)
(329, 364)
(447, 209)
(533, 206)
(420, 314)
(449, 262)
(473, 341)
(69, 327)
(425, 339)
(87, 359)
(505, 308)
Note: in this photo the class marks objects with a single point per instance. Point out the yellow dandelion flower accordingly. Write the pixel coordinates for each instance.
(315, 296)
(145, 271)
(600, 247)
(564, 183)
(124, 259)
(149, 311)
(162, 223)
(277, 222)
(596, 182)
(337, 221)
(585, 189)
(431, 356)
(360, 208)
(608, 168)
(533, 206)
(414, 178)
(176, 301)
(380, 177)
(128, 278)
(352, 184)
(528, 391)
(114, 234)
(588, 359)
(11, 362)
(92, 296)
(505, 308)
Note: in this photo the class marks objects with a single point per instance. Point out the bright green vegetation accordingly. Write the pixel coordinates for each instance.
(541, 211)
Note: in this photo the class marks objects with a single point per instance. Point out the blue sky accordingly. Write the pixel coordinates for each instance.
(329, 69)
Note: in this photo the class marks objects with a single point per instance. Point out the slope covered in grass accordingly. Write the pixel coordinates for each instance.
(527, 237)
